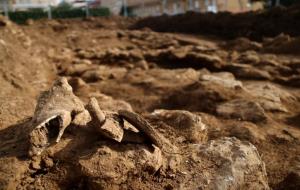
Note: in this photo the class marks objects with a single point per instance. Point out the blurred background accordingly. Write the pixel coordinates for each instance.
(142, 8)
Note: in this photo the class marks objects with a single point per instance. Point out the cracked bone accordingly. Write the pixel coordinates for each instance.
(143, 126)
(109, 124)
(53, 114)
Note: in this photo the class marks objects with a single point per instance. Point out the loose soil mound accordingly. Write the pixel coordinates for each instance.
(254, 25)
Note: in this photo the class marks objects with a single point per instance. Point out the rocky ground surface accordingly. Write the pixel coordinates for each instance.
(230, 109)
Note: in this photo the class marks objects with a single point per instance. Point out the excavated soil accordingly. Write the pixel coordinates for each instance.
(242, 92)
(254, 25)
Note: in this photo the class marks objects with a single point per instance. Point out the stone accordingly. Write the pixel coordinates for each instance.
(142, 64)
(239, 165)
(85, 54)
(78, 85)
(246, 131)
(185, 123)
(244, 44)
(277, 41)
(208, 61)
(83, 61)
(242, 110)
(225, 79)
(104, 73)
(269, 96)
(108, 103)
(248, 72)
(77, 69)
(136, 56)
(249, 57)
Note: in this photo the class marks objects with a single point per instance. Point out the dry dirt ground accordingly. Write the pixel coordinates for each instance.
(230, 108)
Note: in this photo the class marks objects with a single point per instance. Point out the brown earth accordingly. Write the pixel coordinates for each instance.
(227, 94)
(255, 25)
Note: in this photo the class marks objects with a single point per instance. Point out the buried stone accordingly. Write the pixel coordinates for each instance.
(242, 109)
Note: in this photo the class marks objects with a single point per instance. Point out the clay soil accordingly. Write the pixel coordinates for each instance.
(143, 70)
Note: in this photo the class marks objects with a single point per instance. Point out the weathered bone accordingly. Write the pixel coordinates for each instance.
(54, 112)
(110, 124)
(143, 126)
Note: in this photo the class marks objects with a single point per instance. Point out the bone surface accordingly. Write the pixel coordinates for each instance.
(141, 124)
(109, 124)
(53, 113)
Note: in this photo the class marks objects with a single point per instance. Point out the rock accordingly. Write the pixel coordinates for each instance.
(185, 123)
(83, 61)
(136, 56)
(225, 79)
(104, 73)
(203, 96)
(248, 72)
(85, 54)
(277, 41)
(246, 131)
(269, 96)
(249, 57)
(185, 57)
(78, 69)
(108, 103)
(239, 165)
(117, 55)
(206, 60)
(78, 84)
(142, 64)
(243, 44)
(243, 110)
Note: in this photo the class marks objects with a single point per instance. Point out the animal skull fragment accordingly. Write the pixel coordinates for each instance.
(56, 109)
